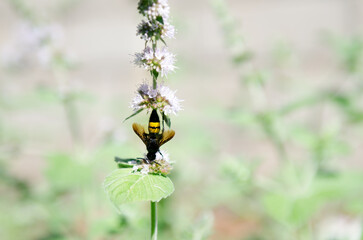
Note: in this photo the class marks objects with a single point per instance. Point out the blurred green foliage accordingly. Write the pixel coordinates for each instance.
(301, 192)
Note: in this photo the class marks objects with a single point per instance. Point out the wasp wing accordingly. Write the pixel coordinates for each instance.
(167, 135)
(140, 131)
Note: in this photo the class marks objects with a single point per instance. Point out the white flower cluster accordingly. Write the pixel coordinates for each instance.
(157, 24)
(44, 42)
(160, 165)
(146, 30)
(158, 8)
(167, 30)
(161, 98)
(160, 60)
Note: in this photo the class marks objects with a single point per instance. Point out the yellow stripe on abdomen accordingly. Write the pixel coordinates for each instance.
(154, 124)
(154, 127)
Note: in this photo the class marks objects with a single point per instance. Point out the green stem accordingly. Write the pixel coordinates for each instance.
(154, 42)
(72, 118)
(154, 221)
(154, 82)
(23, 10)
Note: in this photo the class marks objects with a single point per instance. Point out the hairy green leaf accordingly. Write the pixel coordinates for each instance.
(123, 186)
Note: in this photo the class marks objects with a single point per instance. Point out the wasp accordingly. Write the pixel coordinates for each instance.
(153, 139)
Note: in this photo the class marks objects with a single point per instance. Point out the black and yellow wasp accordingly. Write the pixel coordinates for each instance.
(153, 139)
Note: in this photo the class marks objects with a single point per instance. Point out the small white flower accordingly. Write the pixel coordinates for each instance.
(161, 60)
(166, 92)
(40, 35)
(44, 42)
(137, 102)
(153, 93)
(168, 31)
(143, 89)
(173, 105)
(145, 169)
(159, 8)
(161, 98)
(47, 54)
(163, 156)
(135, 168)
(148, 29)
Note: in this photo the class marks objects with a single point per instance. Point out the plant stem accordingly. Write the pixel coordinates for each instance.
(23, 9)
(72, 118)
(154, 82)
(154, 221)
(69, 103)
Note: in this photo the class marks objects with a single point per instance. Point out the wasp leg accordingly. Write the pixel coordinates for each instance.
(140, 160)
(156, 162)
(146, 160)
(161, 153)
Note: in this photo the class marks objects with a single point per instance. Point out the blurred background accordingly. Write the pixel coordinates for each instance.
(268, 146)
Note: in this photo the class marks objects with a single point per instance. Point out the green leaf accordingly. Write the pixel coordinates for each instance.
(277, 206)
(127, 162)
(167, 120)
(154, 74)
(134, 114)
(160, 19)
(243, 57)
(163, 41)
(123, 186)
